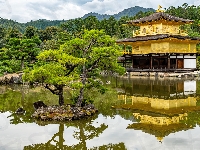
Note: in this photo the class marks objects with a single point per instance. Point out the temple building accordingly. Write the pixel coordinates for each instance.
(159, 45)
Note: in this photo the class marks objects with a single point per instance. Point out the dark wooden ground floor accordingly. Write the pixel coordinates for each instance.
(160, 70)
(158, 62)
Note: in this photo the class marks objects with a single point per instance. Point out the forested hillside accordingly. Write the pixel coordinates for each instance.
(20, 44)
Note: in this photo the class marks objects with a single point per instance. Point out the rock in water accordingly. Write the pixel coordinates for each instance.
(20, 111)
(39, 104)
(64, 112)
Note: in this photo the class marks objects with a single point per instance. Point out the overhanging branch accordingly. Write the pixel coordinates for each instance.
(71, 69)
(94, 65)
(54, 91)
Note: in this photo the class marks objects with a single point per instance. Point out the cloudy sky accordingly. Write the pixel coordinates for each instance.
(27, 10)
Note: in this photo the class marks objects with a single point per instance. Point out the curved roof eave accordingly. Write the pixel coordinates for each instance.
(159, 16)
(156, 37)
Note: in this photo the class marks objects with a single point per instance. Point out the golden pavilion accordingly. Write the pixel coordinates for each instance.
(159, 45)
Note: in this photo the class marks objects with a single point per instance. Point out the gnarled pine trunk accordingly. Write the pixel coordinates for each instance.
(80, 98)
(61, 97)
(81, 94)
(58, 90)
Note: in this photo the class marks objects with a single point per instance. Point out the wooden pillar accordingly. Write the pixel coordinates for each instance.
(151, 88)
(168, 62)
(151, 61)
(125, 62)
(196, 60)
(132, 61)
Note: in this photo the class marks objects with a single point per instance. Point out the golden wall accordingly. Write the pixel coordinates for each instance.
(136, 50)
(161, 47)
(141, 100)
(142, 49)
(167, 104)
(182, 47)
(171, 29)
(159, 103)
(145, 49)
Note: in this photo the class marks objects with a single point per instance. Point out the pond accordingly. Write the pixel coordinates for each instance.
(146, 113)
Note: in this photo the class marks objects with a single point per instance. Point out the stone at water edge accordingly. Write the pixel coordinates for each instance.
(20, 111)
(64, 112)
(39, 104)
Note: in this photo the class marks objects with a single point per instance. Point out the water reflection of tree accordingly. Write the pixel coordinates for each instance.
(14, 96)
(193, 119)
(105, 107)
(86, 131)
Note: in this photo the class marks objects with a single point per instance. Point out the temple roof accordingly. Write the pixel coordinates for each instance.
(158, 130)
(155, 37)
(159, 16)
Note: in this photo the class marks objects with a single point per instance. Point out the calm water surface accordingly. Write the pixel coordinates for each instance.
(152, 114)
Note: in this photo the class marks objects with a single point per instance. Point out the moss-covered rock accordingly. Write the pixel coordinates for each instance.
(65, 112)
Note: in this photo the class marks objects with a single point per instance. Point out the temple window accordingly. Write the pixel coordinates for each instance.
(144, 30)
(164, 29)
(175, 30)
(157, 29)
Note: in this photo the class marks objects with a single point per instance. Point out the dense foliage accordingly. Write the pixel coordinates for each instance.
(81, 57)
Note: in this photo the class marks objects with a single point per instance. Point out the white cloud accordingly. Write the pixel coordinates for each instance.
(70, 11)
(197, 2)
(26, 10)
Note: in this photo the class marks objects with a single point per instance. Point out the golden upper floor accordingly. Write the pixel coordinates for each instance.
(162, 43)
(159, 23)
(159, 28)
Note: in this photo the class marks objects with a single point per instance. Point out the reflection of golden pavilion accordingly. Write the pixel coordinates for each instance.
(159, 103)
(160, 116)
(146, 119)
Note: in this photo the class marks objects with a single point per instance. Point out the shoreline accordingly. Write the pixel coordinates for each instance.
(188, 75)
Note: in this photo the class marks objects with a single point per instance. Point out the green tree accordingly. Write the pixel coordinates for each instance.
(23, 49)
(101, 53)
(30, 32)
(122, 29)
(57, 70)
(2, 36)
(14, 33)
(48, 34)
(50, 44)
(84, 57)
(60, 38)
(73, 26)
(91, 22)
